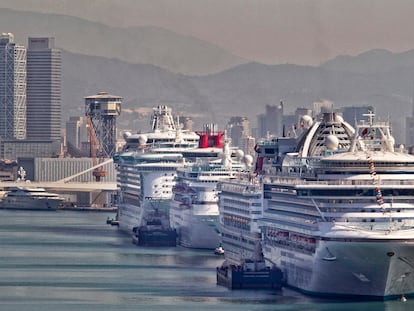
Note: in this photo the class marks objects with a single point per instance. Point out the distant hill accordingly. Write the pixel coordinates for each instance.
(148, 66)
(373, 61)
(244, 90)
(143, 45)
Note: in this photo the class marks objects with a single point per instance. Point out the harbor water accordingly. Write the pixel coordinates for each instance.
(71, 260)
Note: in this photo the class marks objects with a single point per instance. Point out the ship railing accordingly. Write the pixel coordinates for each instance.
(356, 182)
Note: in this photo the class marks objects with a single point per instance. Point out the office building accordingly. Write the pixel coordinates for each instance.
(74, 131)
(271, 122)
(238, 128)
(43, 90)
(12, 88)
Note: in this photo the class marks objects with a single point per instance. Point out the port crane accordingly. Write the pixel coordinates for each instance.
(95, 152)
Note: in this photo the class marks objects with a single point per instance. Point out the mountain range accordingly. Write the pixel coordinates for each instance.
(143, 45)
(98, 58)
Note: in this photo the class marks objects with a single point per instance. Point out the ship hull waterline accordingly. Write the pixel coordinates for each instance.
(375, 269)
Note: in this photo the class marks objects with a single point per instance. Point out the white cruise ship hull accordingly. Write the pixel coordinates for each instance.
(195, 230)
(129, 216)
(375, 268)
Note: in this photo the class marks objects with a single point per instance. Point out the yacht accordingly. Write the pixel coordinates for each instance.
(22, 197)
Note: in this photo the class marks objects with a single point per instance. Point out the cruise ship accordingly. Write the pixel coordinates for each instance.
(194, 209)
(338, 214)
(240, 207)
(147, 167)
(241, 203)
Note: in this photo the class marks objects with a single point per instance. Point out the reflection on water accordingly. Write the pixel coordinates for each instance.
(67, 260)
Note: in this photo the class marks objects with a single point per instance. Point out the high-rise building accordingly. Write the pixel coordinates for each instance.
(74, 131)
(12, 88)
(271, 122)
(237, 129)
(409, 130)
(44, 68)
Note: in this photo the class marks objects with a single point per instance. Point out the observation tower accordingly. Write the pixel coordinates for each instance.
(101, 111)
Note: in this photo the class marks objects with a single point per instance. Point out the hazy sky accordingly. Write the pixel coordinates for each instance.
(269, 31)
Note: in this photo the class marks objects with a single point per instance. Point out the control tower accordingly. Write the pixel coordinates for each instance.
(101, 110)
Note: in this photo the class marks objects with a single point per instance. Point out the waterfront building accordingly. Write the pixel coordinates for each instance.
(14, 148)
(43, 90)
(12, 88)
(44, 169)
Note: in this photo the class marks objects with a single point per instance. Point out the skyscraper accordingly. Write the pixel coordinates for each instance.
(12, 88)
(238, 128)
(271, 122)
(43, 90)
(74, 131)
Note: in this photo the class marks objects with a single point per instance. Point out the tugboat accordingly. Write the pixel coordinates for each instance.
(154, 234)
(251, 274)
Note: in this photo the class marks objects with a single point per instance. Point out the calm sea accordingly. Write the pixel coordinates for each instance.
(69, 260)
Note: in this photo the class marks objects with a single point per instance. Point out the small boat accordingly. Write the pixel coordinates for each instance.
(112, 221)
(219, 250)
